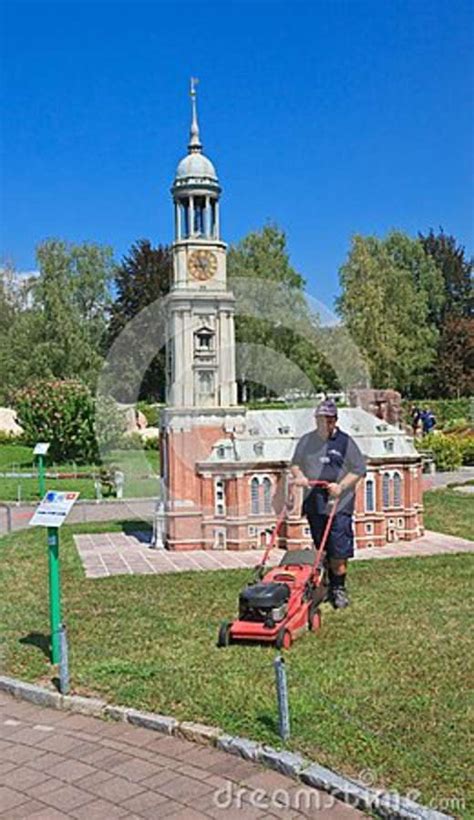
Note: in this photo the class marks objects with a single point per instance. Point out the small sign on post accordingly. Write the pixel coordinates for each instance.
(51, 513)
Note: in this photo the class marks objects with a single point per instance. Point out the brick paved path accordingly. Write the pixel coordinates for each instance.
(118, 554)
(58, 765)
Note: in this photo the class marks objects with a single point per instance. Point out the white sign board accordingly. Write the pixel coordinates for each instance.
(53, 509)
(41, 448)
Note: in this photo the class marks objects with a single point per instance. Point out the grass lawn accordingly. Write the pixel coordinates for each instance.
(449, 512)
(137, 466)
(383, 687)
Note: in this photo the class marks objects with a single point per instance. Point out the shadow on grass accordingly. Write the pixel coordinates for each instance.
(39, 640)
(268, 722)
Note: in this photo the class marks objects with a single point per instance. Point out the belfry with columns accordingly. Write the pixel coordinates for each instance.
(224, 467)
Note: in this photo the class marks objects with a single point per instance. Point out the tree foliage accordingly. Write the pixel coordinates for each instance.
(455, 349)
(54, 325)
(392, 298)
(273, 314)
(143, 276)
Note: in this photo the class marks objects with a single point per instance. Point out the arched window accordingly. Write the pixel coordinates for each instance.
(397, 490)
(267, 495)
(369, 495)
(255, 495)
(386, 490)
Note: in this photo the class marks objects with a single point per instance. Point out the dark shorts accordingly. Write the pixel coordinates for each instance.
(340, 542)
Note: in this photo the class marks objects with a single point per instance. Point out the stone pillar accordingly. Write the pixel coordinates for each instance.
(191, 216)
(177, 218)
(207, 218)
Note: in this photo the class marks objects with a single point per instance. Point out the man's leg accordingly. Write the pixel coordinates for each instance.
(340, 549)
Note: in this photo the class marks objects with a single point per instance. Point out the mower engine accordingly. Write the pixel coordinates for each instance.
(265, 603)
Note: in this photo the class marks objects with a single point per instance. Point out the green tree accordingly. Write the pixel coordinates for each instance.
(273, 314)
(455, 355)
(143, 276)
(391, 297)
(73, 299)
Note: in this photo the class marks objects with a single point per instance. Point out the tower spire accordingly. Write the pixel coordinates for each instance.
(195, 145)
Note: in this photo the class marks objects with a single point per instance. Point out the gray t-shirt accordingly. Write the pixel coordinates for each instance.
(328, 460)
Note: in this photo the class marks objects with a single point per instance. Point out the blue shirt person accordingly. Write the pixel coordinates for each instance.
(328, 454)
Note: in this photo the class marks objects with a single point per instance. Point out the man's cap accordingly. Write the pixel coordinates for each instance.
(327, 407)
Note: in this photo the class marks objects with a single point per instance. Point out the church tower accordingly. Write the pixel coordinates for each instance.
(200, 310)
(201, 391)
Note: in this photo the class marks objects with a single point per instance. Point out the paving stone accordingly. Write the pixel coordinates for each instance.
(99, 810)
(136, 770)
(183, 788)
(66, 797)
(159, 779)
(70, 770)
(91, 781)
(20, 754)
(144, 801)
(24, 810)
(115, 789)
(10, 798)
(21, 778)
(162, 810)
(44, 761)
(37, 790)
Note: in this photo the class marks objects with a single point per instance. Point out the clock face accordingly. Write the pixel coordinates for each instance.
(202, 264)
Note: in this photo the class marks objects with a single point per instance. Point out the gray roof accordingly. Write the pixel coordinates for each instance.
(271, 435)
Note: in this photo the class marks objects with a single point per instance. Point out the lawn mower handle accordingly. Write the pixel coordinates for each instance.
(286, 508)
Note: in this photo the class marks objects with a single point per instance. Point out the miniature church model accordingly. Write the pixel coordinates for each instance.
(224, 467)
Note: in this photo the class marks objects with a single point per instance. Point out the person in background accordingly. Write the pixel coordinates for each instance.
(428, 421)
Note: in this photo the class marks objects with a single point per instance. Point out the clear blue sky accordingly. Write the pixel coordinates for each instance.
(328, 117)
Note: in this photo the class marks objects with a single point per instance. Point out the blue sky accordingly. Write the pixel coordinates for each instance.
(330, 118)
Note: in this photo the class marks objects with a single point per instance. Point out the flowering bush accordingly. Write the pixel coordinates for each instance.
(62, 413)
(446, 450)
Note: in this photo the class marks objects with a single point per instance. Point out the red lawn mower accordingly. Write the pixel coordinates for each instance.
(284, 602)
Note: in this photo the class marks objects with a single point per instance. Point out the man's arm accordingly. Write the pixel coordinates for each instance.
(356, 471)
(337, 488)
(297, 475)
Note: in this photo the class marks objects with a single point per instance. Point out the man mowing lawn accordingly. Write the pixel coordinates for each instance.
(328, 454)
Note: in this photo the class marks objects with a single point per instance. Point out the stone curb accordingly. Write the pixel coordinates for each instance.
(385, 804)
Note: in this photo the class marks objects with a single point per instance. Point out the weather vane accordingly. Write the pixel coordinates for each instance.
(194, 82)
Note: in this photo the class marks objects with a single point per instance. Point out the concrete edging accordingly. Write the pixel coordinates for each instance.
(385, 804)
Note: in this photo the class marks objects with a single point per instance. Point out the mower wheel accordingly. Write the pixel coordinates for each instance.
(284, 639)
(223, 638)
(314, 618)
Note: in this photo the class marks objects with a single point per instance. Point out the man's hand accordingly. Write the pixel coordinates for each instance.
(299, 481)
(334, 489)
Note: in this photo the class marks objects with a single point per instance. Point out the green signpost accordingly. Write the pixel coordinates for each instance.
(51, 513)
(41, 448)
(54, 592)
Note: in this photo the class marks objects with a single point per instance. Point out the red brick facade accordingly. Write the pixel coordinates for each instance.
(235, 505)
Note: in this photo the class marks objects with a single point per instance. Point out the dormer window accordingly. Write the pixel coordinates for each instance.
(389, 445)
(258, 448)
(221, 451)
(284, 430)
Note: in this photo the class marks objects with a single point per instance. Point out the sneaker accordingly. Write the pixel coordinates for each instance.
(339, 598)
